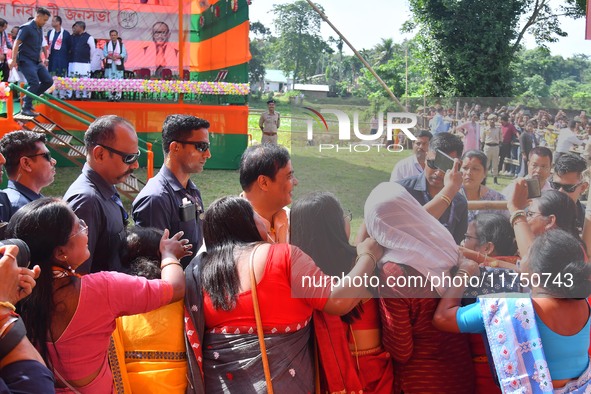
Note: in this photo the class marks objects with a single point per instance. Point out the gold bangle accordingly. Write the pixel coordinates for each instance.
(371, 256)
(169, 261)
(515, 215)
(8, 305)
(446, 199)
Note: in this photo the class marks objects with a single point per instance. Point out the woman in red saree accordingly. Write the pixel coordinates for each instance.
(350, 348)
(223, 347)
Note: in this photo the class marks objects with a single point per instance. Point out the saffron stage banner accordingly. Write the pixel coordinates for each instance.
(197, 36)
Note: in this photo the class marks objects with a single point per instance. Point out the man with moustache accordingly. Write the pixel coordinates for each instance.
(112, 153)
(29, 166)
(414, 164)
(171, 200)
(267, 180)
(438, 191)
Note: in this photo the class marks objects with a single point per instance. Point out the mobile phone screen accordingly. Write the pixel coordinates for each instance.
(443, 161)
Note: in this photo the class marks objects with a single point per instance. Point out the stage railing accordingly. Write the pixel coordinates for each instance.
(49, 104)
(72, 107)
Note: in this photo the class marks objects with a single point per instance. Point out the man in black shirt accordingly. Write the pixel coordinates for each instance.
(112, 146)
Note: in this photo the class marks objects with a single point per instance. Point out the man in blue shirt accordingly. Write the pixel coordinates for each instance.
(437, 124)
(171, 200)
(29, 166)
(438, 191)
(112, 153)
(26, 52)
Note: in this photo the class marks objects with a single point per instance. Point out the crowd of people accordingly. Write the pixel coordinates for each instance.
(451, 287)
(246, 295)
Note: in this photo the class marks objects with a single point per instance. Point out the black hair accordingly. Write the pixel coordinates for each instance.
(505, 118)
(43, 11)
(572, 124)
(3, 22)
(425, 133)
(161, 23)
(271, 101)
(317, 227)
(447, 143)
(140, 242)
(263, 159)
(227, 224)
(145, 267)
(553, 202)
(495, 228)
(541, 151)
(81, 24)
(17, 144)
(179, 127)
(58, 18)
(476, 154)
(113, 31)
(102, 130)
(569, 162)
(54, 220)
(561, 255)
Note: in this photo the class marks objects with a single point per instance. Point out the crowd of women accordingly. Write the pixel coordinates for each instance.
(240, 318)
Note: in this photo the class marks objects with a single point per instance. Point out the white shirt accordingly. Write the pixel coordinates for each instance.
(566, 140)
(406, 168)
(96, 59)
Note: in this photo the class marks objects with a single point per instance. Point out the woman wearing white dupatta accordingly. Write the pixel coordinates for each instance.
(418, 250)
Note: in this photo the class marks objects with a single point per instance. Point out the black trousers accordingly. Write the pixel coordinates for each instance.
(5, 71)
(504, 151)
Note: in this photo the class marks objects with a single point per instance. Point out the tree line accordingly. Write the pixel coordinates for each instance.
(461, 48)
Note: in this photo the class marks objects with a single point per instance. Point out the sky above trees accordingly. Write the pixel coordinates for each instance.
(366, 23)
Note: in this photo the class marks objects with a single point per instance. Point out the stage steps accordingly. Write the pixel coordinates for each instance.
(71, 147)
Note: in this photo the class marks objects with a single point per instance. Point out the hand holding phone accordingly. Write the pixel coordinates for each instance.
(443, 161)
(533, 188)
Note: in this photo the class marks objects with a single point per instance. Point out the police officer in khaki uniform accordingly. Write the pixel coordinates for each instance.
(269, 124)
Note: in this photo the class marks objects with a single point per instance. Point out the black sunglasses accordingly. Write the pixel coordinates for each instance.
(201, 146)
(128, 158)
(566, 188)
(431, 164)
(46, 156)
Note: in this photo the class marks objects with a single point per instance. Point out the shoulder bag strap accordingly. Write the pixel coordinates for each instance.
(257, 315)
(64, 381)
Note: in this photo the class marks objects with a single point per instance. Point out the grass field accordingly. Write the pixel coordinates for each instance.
(350, 176)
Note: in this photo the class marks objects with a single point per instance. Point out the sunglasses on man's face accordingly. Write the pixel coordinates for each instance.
(431, 164)
(128, 158)
(45, 155)
(566, 188)
(201, 146)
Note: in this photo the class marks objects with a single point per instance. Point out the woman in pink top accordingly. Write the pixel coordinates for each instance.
(70, 318)
(471, 131)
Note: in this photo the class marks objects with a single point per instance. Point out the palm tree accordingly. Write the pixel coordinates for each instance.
(384, 51)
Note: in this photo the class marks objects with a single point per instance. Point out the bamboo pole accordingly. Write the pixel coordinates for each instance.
(365, 63)
(481, 204)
